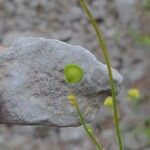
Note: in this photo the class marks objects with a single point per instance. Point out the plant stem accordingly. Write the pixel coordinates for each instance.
(103, 46)
(86, 129)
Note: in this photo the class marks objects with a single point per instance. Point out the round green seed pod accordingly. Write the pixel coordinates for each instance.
(73, 73)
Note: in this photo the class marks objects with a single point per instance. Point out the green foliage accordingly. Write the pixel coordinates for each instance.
(146, 4)
(138, 38)
(73, 73)
(147, 128)
(143, 39)
(147, 131)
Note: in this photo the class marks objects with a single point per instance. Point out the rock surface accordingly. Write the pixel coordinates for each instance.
(64, 20)
(32, 86)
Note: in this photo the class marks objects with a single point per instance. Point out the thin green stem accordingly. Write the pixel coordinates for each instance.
(86, 128)
(103, 46)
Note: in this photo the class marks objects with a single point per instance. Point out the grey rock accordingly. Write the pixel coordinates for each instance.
(132, 140)
(72, 134)
(127, 12)
(32, 86)
(99, 9)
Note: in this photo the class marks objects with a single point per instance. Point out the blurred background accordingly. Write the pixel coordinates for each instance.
(126, 27)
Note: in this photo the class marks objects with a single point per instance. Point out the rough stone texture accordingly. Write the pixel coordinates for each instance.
(32, 86)
(64, 20)
(126, 11)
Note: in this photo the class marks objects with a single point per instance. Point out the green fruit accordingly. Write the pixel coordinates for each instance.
(73, 73)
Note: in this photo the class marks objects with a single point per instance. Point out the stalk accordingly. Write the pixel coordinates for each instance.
(103, 46)
(92, 137)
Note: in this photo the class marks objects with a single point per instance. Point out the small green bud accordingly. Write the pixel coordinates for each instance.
(72, 99)
(73, 73)
(108, 102)
(90, 129)
(133, 94)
